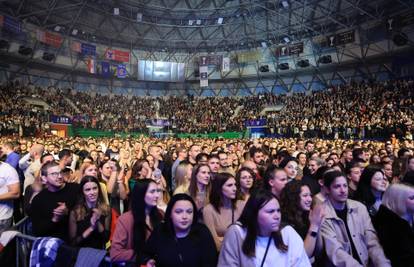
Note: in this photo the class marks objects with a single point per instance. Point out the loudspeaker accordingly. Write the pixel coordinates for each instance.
(303, 63)
(264, 68)
(400, 39)
(4, 44)
(48, 56)
(325, 59)
(283, 66)
(25, 50)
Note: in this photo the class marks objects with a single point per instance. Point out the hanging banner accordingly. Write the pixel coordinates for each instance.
(10, 24)
(203, 76)
(91, 66)
(121, 71)
(106, 69)
(75, 46)
(226, 64)
(88, 49)
(52, 39)
(117, 55)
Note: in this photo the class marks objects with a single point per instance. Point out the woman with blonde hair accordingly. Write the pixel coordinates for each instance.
(394, 224)
(183, 177)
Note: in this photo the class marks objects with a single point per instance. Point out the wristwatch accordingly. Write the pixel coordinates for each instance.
(313, 234)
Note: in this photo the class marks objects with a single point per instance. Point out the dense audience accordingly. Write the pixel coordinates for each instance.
(226, 203)
(356, 110)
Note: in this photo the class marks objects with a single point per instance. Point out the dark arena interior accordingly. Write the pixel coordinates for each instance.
(204, 133)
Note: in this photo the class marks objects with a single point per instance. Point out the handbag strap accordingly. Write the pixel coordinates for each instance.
(267, 249)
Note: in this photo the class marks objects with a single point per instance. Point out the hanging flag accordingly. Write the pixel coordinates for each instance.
(203, 76)
(10, 24)
(52, 39)
(106, 70)
(117, 55)
(88, 49)
(226, 64)
(91, 66)
(75, 46)
(121, 71)
(109, 54)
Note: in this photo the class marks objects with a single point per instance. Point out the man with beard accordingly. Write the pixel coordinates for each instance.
(225, 164)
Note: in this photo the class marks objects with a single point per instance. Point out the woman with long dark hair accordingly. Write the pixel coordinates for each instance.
(89, 221)
(181, 240)
(371, 187)
(135, 226)
(258, 240)
(224, 208)
(296, 206)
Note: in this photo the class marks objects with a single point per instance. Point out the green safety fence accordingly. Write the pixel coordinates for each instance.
(84, 132)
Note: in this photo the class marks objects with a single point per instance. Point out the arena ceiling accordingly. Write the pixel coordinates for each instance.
(199, 25)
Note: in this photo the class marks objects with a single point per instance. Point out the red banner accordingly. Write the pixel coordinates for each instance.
(117, 55)
(52, 39)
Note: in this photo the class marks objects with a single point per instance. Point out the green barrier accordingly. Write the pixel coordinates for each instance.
(225, 135)
(85, 133)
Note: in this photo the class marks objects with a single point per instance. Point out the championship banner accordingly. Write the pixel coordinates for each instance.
(117, 55)
(88, 49)
(91, 66)
(203, 76)
(52, 39)
(121, 71)
(226, 64)
(106, 69)
(10, 24)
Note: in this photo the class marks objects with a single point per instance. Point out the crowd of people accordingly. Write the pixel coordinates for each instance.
(212, 202)
(356, 110)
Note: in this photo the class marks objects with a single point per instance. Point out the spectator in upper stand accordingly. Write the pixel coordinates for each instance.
(50, 208)
(30, 164)
(194, 150)
(275, 180)
(347, 231)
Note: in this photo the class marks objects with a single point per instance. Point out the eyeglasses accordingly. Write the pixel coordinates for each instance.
(55, 174)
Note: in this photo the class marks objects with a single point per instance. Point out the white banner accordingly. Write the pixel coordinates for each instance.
(203, 76)
(226, 64)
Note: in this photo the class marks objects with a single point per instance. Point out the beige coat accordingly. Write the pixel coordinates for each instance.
(337, 245)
